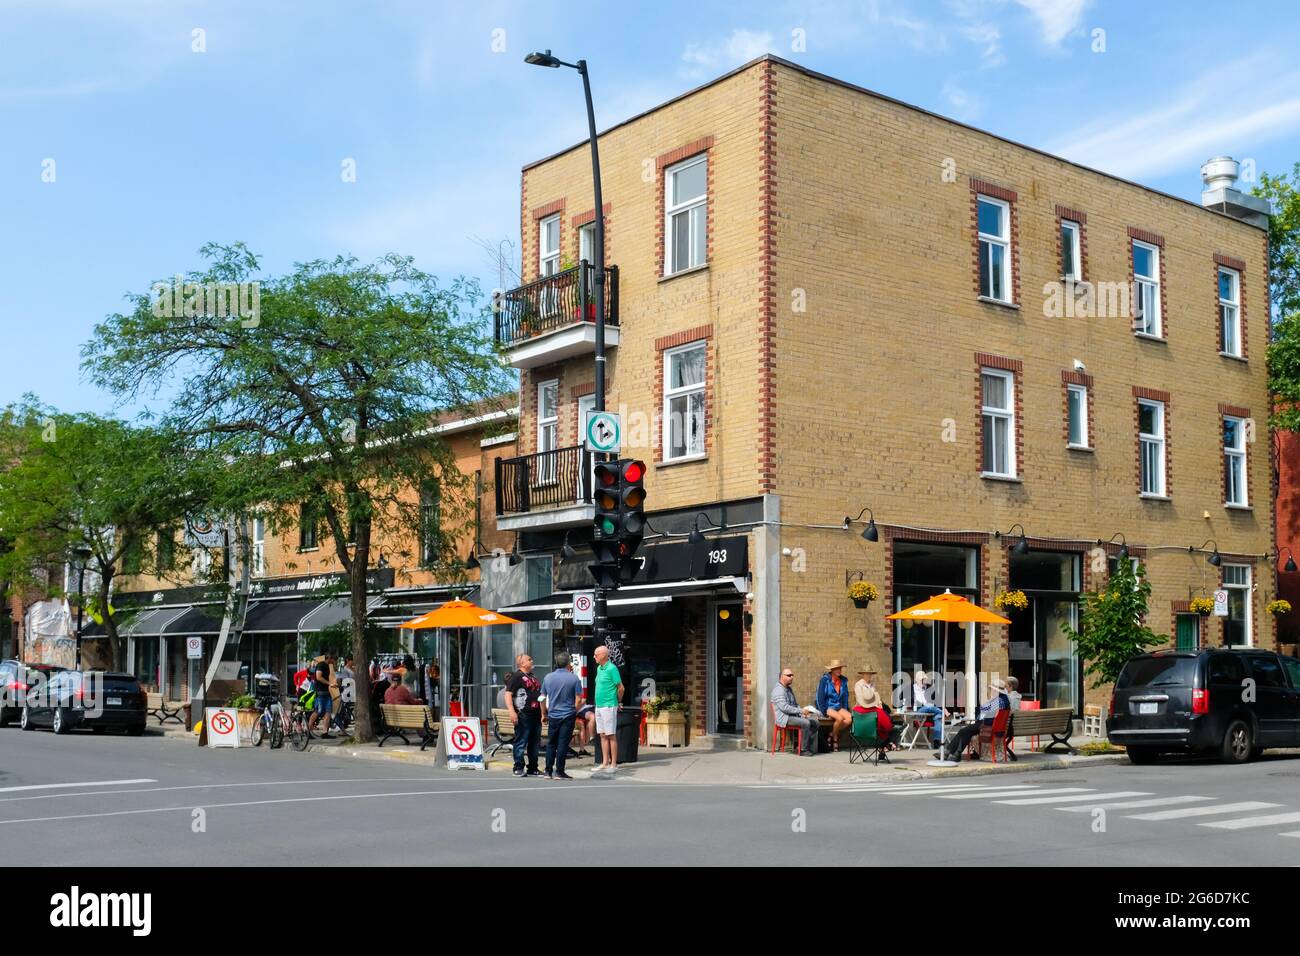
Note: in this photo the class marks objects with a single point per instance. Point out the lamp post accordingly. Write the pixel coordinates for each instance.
(82, 554)
(547, 60)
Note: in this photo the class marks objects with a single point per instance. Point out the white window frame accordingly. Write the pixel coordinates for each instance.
(1081, 390)
(1249, 590)
(1230, 311)
(692, 208)
(548, 257)
(1007, 414)
(1152, 322)
(685, 390)
(1076, 251)
(548, 432)
(989, 240)
(1234, 464)
(259, 547)
(587, 237)
(1157, 441)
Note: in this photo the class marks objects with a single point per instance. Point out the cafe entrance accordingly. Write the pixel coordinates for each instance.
(726, 668)
(1041, 653)
(921, 571)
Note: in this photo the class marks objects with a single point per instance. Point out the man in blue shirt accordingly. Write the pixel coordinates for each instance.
(987, 712)
(560, 690)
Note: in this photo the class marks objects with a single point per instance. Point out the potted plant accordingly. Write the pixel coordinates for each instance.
(1011, 601)
(1279, 607)
(862, 593)
(665, 724)
(1201, 605)
(247, 716)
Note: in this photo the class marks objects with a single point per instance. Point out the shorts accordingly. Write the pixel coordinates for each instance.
(324, 704)
(606, 720)
(584, 710)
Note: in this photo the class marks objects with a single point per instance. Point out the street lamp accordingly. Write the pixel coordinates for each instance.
(82, 554)
(547, 60)
(1290, 559)
(1021, 546)
(1214, 557)
(869, 533)
(1123, 544)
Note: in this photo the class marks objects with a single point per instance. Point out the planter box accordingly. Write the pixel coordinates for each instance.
(246, 720)
(666, 730)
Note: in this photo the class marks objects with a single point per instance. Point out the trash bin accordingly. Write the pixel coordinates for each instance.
(628, 733)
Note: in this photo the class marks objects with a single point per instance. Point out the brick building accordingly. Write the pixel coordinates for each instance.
(830, 309)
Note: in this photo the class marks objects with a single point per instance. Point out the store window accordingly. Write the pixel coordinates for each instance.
(1041, 653)
(922, 570)
(1236, 626)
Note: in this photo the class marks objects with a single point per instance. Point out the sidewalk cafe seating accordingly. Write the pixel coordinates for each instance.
(399, 718)
(503, 729)
(865, 740)
(164, 710)
(1056, 721)
(994, 734)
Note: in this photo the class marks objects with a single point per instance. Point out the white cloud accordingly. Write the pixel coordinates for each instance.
(989, 37)
(1057, 19)
(740, 47)
(965, 106)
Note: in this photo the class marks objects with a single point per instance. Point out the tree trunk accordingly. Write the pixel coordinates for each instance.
(364, 732)
(110, 626)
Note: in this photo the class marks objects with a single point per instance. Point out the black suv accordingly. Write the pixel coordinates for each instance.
(93, 699)
(16, 678)
(1228, 702)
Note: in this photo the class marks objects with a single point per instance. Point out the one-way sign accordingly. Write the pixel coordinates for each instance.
(604, 432)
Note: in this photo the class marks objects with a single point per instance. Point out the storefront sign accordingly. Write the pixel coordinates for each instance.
(680, 560)
(223, 726)
(377, 579)
(1221, 603)
(460, 744)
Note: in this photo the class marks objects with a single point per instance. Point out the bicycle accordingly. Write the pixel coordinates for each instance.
(272, 723)
(299, 734)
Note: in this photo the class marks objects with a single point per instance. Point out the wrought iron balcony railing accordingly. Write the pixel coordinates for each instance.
(554, 302)
(548, 479)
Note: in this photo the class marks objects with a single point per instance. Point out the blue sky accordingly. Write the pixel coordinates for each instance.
(158, 149)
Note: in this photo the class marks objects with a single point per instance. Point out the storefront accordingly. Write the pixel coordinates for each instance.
(923, 569)
(1041, 653)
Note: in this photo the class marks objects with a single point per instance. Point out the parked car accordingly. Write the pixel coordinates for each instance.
(15, 679)
(1232, 703)
(96, 699)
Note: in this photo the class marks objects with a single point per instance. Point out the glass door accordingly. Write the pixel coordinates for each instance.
(727, 655)
(1059, 662)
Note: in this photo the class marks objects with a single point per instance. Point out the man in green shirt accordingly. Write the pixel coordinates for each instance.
(609, 691)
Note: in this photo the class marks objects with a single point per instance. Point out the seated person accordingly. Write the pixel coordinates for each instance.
(833, 701)
(788, 714)
(1013, 692)
(869, 701)
(923, 703)
(398, 693)
(987, 712)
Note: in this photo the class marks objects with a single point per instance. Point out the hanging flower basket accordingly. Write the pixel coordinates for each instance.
(1201, 605)
(1278, 608)
(1011, 601)
(862, 593)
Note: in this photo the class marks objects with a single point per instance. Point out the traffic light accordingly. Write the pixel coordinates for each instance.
(631, 501)
(606, 523)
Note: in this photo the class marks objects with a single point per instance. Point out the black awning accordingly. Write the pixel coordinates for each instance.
(196, 620)
(404, 604)
(627, 601)
(277, 617)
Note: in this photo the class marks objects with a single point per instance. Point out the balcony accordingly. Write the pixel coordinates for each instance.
(554, 318)
(551, 489)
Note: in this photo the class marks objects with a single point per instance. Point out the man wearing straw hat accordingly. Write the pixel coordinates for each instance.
(987, 712)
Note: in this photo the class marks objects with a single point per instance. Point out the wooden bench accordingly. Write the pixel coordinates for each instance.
(1056, 721)
(164, 710)
(503, 729)
(399, 718)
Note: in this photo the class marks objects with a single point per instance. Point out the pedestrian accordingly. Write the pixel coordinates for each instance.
(521, 700)
(432, 677)
(560, 689)
(788, 713)
(324, 704)
(609, 692)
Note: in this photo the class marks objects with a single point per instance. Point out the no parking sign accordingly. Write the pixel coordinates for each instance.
(223, 726)
(460, 743)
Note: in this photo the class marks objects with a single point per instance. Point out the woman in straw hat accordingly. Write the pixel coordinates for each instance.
(833, 700)
(869, 701)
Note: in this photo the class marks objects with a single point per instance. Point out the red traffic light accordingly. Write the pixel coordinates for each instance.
(634, 470)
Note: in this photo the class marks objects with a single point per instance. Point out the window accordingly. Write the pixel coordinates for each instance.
(259, 548)
(166, 552)
(684, 401)
(548, 246)
(548, 424)
(1230, 311)
(587, 242)
(999, 425)
(132, 556)
(1236, 626)
(1071, 258)
(1234, 462)
(686, 214)
(1151, 447)
(994, 220)
(430, 524)
(308, 525)
(1146, 288)
(1076, 401)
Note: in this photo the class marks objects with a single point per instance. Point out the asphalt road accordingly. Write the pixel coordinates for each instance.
(115, 800)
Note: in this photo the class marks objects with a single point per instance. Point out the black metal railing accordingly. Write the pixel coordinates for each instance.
(548, 479)
(554, 302)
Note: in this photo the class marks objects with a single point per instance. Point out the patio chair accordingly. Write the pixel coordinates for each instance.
(993, 735)
(865, 742)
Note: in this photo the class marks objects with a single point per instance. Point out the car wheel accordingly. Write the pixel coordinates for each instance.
(60, 723)
(25, 719)
(1237, 743)
(1142, 755)
(136, 730)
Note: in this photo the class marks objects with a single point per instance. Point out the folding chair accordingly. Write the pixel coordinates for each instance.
(865, 740)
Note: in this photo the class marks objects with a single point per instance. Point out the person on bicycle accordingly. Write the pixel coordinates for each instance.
(324, 705)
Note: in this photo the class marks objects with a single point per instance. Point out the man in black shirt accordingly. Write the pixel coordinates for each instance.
(522, 689)
(324, 705)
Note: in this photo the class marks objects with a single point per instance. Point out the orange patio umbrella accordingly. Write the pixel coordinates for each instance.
(458, 614)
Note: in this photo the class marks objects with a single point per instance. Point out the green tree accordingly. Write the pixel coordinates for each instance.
(327, 401)
(93, 484)
(1112, 624)
(1284, 293)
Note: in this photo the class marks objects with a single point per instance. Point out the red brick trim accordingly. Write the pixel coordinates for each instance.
(1233, 411)
(699, 333)
(671, 158)
(549, 209)
(582, 218)
(575, 393)
(1230, 262)
(1151, 239)
(1069, 378)
(985, 360)
(766, 282)
(582, 391)
(981, 187)
(1154, 395)
(1080, 219)
(586, 218)
(539, 213)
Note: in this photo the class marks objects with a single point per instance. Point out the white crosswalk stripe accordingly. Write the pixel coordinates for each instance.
(912, 791)
(1217, 808)
(1133, 804)
(1004, 792)
(1248, 822)
(1034, 800)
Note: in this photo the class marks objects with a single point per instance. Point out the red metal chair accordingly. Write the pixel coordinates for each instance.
(993, 735)
(1031, 705)
(780, 735)
(643, 720)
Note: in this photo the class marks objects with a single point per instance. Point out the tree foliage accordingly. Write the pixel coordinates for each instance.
(1112, 624)
(1284, 292)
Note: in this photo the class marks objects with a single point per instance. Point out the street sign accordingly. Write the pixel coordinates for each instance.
(460, 744)
(584, 607)
(194, 648)
(223, 726)
(604, 433)
(1221, 603)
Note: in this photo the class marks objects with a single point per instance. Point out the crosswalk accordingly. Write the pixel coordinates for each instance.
(1139, 805)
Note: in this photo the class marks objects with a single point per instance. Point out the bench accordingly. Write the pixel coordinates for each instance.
(1056, 721)
(399, 718)
(164, 710)
(503, 729)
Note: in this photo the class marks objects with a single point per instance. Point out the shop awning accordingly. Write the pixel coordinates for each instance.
(198, 619)
(148, 622)
(298, 616)
(402, 604)
(628, 600)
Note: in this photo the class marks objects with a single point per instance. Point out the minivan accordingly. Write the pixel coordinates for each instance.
(93, 699)
(1228, 702)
